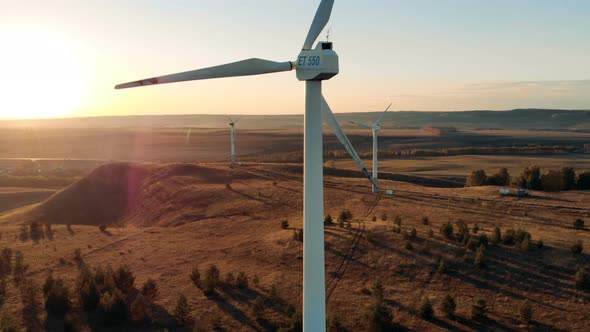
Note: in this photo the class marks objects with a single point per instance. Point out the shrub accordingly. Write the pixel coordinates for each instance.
(540, 244)
(87, 289)
(273, 293)
(409, 246)
(242, 280)
(138, 310)
(442, 266)
(36, 231)
(229, 278)
(328, 220)
(568, 178)
(525, 311)
(112, 308)
(257, 307)
(20, 268)
(102, 228)
(24, 233)
(475, 228)
(124, 279)
(448, 306)
(509, 237)
(582, 279)
(496, 235)
(425, 309)
(479, 310)
(501, 178)
(256, 280)
(182, 310)
(480, 257)
(413, 233)
(57, 298)
(472, 244)
(476, 178)
(378, 318)
(577, 248)
(5, 262)
(196, 276)
(284, 224)
(377, 290)
(462, 231)
(579, 224)
(425, 220)
(446, 230)
(525, 245)
(483, 240)
(384, 216)
(345, 215)
(584, 180)
(150, 290)
(530, 178)
(374, 218)
(298, 235)
(211, 280)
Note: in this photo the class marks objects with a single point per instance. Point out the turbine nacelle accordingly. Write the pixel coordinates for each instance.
(318, 64)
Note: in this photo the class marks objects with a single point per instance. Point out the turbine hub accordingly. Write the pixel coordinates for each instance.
(318, 64)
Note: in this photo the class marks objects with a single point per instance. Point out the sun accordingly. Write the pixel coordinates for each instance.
(41, 75)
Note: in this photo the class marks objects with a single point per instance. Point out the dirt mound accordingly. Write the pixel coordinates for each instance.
(148, 195)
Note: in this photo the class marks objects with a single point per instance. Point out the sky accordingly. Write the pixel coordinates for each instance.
(62, 58)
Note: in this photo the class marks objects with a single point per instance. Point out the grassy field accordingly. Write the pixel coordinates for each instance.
(237, 228)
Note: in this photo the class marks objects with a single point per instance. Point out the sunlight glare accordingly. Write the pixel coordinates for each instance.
(42, 75)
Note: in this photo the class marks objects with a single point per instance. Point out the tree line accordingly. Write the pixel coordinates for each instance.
(531, 177)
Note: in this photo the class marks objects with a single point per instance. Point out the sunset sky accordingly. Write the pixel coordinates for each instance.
(62, 58)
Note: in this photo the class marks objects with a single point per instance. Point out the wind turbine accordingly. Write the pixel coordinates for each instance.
(313, 65)
(375, 127)
(233, 123)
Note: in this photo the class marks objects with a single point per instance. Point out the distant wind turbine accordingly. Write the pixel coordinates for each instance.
(233, 123)
(375, 127)
(313, 65)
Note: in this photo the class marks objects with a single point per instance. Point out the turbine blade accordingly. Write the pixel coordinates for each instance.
(383, 114)
(322, 16)
(360, 124)
(230, 120)
(247, 67)
(331, 120)
(238, 119)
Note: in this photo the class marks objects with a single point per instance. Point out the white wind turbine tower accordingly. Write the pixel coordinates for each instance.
(313, 65)
(233, 123)
(375, 127)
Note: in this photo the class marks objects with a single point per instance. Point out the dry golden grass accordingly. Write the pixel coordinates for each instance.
(238, 229)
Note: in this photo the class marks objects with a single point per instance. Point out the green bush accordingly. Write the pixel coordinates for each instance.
(525, 311)
(242, 280)
(448, 306)
(149, 290)
(577, 248)
(425, 309)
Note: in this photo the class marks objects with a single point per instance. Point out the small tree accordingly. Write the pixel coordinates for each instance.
(584, 180)
(525, 311)
(242, 280)
(582, 279)
(425, 310)
(446, 230)
(57, 302)
(124, 279)
(579, 224)
(257, 307)
(149, 290)
(328, 220)
(479, 310)
(480, 257)
(211, 280)
(113, 308)
(284, 224)
(36, 231)
(501, 178)
(577, 248)
(229, 278)
(374, 218)
(378, 317)
(182, 310)
(568, 178)
(476, 178)
(497, 235)
(448, 306)
(138, 310)
(196, 276)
